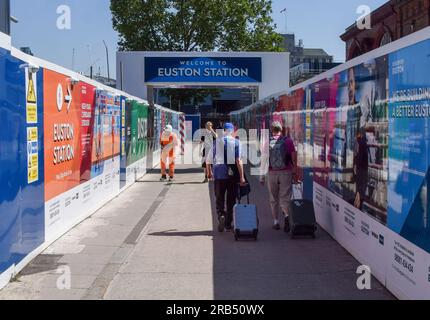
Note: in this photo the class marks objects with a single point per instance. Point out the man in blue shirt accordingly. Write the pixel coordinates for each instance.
(228, 174)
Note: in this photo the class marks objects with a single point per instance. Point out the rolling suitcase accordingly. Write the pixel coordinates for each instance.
(245, 221)
(302, 217)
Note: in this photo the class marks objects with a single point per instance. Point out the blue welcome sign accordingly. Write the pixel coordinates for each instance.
(202, 69)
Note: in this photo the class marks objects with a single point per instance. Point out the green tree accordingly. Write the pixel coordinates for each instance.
(195, 25)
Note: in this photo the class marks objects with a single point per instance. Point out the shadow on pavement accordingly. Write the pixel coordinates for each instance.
(169, 183)
(278, 268)
(174, 233)
(43, 263)
(179, 171)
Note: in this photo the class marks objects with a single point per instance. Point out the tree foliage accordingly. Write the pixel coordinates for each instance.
(195, 25)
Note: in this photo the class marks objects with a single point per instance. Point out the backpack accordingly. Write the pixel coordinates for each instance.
(233, 171)
(279, 156)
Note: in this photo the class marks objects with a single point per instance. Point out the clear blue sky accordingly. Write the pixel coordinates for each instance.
(318, 23)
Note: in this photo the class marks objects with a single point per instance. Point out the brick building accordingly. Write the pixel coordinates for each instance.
(393, 20)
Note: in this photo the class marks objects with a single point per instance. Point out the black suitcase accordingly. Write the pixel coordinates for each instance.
(302, 217)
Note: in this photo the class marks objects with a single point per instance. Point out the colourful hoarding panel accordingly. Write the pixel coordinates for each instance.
(137, 129)
(358, 138)
(87, 108)
(409, 150)
(106, 131)
(62, 116)
(123, 174)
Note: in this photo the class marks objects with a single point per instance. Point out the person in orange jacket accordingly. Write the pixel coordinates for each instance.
(169, 143)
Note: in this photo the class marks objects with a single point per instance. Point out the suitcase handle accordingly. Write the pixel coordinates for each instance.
(239, 198)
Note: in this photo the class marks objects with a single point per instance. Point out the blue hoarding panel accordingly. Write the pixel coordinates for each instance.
(202, 69)
(21, 203)
(32, 211)
(9, 159)
(409, 148)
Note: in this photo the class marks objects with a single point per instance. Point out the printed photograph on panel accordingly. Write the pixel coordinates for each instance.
(361, 139)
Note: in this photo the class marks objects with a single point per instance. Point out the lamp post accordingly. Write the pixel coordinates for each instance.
(107, 60)
(286, 20)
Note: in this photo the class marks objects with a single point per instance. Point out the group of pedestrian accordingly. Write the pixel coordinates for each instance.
(222, 160)
(228, 173)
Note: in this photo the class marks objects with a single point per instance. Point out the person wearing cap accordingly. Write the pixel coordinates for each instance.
(278, 164)
(228, 174)
(169, 143)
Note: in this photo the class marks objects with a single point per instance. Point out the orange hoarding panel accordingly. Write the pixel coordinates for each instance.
(62, 117)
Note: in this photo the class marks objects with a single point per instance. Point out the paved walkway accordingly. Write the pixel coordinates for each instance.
(159, 241)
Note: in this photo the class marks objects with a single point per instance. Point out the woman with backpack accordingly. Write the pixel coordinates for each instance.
(278, 162)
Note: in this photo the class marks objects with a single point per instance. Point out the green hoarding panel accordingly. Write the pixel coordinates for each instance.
(136, 131)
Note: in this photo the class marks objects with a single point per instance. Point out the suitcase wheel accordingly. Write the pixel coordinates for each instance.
(236, 235)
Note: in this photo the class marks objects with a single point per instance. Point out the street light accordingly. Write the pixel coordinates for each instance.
(107, 60)
(286, 19)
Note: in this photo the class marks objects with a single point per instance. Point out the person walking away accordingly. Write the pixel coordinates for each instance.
(279, 164)
(206, 144)
(229, 174)
(169, 143)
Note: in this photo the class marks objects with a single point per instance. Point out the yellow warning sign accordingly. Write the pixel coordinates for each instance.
(31, 105)
(32, 134)
(31, 93)
(31, 113)
(32, 155)
(308, 119)
(308, 134)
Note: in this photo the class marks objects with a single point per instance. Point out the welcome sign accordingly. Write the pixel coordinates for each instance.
(202, 69)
